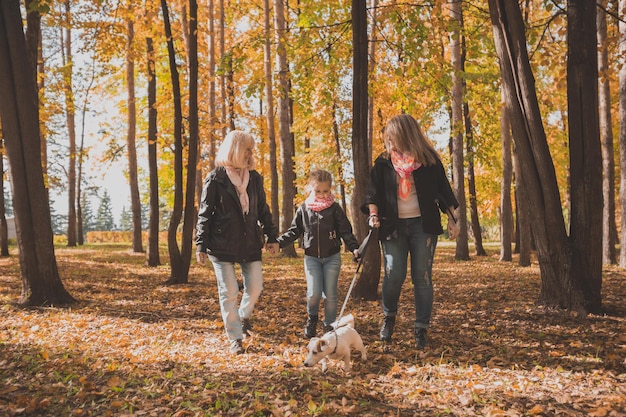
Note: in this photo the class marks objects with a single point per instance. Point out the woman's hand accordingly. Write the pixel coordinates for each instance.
(373, 221)
(453, 229)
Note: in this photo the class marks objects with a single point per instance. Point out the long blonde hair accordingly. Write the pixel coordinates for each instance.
(405, 133)
(232, 151)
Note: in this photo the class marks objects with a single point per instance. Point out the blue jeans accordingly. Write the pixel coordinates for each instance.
(322, 275)
(411, 239)
(228, 290)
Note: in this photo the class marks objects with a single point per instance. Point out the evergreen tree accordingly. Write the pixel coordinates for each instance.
(126, 220)
(89, 219)
(104, 216)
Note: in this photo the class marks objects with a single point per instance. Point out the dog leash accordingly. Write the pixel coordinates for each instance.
(362, 250)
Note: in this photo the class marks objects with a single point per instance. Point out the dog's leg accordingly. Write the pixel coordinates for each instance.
(346, 362)
(361, 348)
(324, 362)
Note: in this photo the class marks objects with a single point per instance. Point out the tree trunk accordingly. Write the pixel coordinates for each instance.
(131, 147)
(68, 64)
(524, 233)
(176, 262)
(458, 170)
(367, 284)
(622, 131)
(585, 157)
(471, 184)
(340, 179)
(269, 113)
(506, 210)
(191, 211)
(41, 283)
(154, 258)
(212, 104)
(4, 228)
(609, 227)
(535, 162)
(287, 148)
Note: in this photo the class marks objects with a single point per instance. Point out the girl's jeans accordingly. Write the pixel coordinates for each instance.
(322, 275)
(411, 239)
(228, 289)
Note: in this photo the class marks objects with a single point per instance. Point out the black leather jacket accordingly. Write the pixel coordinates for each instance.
(322, 231)
(434, 193)
(222, 230)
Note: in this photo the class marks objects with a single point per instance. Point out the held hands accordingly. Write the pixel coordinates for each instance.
(272, 248)
(373, 221)
(201, 258)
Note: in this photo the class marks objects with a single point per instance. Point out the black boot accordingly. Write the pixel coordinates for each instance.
(420, 337)
(310, 326)
(387, 330)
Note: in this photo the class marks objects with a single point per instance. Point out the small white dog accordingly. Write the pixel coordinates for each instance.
(336, 344)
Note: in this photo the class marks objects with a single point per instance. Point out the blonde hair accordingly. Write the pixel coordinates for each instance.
(317, 176)
(405, 133)
(232, 151)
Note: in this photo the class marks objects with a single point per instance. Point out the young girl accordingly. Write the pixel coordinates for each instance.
(323, 223)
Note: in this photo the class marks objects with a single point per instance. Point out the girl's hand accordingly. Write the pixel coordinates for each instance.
(201, 257)
(272, 248)
(356, 254)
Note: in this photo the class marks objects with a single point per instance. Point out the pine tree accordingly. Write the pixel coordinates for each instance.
(126, 220)
(104, 216)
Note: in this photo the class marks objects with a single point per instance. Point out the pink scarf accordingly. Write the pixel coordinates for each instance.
(319, 204)
(404, 166)
(240, 179)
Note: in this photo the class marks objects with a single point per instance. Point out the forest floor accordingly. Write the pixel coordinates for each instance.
(134, 347)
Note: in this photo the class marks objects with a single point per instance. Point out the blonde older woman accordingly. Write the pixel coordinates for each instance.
(233, 220)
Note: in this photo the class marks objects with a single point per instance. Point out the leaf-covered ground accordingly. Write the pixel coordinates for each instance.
(133, 346)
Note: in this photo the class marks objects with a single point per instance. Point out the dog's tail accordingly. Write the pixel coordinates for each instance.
(347, 320)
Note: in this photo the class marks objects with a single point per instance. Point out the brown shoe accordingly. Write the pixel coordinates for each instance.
(246, 327)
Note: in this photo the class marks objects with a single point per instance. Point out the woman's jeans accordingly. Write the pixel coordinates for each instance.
(322, 275)
(411, 239)
(228, 289)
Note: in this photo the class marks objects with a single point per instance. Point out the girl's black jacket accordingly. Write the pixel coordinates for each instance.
(322, 231)
(433, 193)
(222, 230)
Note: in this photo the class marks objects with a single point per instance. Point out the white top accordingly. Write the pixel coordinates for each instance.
(409, 208)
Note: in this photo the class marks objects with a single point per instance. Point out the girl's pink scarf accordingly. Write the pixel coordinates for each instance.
(240, 179)
(319, 204)
(404, 166)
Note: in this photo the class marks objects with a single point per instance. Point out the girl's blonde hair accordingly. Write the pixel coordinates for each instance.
(232, 151)
(317, 176)
(405, 133)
